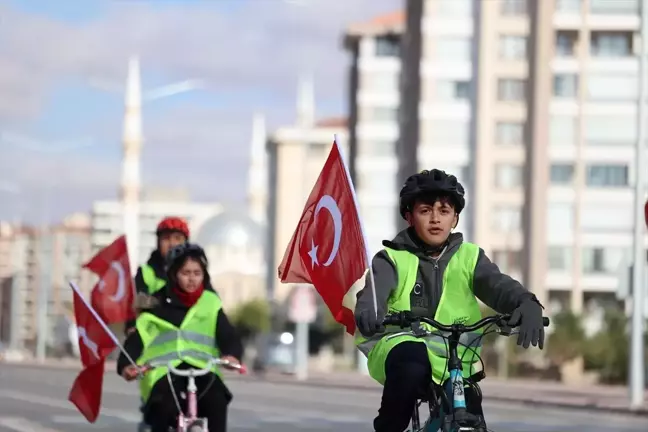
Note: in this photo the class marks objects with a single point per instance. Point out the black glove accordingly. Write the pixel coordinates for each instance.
(528, 316)
(368, 324)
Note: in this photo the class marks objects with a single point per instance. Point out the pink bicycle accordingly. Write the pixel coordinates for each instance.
(190, 422)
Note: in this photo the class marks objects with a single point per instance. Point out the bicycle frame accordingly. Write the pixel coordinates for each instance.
(454, 397)
(190, 422)
(454, 392)
(192, 407)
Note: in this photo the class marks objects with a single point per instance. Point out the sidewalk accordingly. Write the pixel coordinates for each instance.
(613, 399)
(546, 393)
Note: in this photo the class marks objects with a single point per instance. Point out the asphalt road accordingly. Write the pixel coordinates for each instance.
(35, 400)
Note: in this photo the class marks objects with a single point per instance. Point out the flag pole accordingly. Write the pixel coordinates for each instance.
(372, 281)
(103, 324)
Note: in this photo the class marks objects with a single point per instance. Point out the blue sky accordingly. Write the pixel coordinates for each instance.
(248, 52)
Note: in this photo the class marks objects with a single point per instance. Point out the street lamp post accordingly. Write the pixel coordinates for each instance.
(132, 145)
(637, 362)
(46, 252)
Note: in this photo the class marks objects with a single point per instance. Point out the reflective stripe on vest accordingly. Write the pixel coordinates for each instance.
(457, 304)
(152, 282)
(193, 342)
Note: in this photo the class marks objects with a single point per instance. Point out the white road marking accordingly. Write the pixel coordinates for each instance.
(21, 424)
(66, 405)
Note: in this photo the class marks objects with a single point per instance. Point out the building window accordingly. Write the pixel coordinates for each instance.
(455, 8)
(512, 47)
(566, 43)
(612, 87)
(511, 89)
(388, 46)
(513, 7)
(562, 131)
(565, 85)
(610, 129)
(614, 7)
(607, 175)
(610, 44)
(507, 219)
(452, 90)
(454, 48)
(559, 257)
(570, 6)
(601, 260)
(561, 174)
(509, 133)
(508, 176)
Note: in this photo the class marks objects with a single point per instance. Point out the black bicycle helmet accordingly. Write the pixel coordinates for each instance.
(178, 254)
(431, 183)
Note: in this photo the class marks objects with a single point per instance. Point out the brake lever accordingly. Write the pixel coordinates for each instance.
(417, 329)
(505, 329)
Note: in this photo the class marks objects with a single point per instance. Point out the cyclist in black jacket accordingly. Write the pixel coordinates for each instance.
(151, 277)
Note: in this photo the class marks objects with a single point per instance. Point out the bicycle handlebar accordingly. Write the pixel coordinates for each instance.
(194, 371)
(405, 320)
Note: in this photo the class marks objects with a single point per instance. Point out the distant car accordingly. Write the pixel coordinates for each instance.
(276, 352)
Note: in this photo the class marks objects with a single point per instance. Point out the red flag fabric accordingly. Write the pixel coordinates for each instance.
(327, 248)
(95, 344)
(112, 297)
(85, 393)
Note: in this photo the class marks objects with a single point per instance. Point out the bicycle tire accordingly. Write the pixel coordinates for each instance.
(197, 426)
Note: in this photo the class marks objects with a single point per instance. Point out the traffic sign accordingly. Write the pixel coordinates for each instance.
(302, 305)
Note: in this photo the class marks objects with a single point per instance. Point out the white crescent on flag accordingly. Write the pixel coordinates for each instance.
(121, 282)
(329, 204)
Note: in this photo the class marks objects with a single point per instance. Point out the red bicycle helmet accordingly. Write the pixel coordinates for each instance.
(173, 224)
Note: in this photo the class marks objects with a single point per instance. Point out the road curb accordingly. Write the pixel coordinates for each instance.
(643, 412)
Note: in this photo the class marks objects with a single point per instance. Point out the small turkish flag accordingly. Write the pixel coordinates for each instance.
(112, 297)
(327, 248)
(95, 344)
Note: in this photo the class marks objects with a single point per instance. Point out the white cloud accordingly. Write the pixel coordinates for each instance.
(256, 49)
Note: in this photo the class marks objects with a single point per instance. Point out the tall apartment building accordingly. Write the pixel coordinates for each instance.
(38, 259)
(434, 107)
(561, 77)
(536, 100)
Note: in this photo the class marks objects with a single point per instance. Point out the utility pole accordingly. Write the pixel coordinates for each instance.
(637, 360)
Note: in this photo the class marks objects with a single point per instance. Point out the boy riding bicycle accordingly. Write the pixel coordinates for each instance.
(430, 271)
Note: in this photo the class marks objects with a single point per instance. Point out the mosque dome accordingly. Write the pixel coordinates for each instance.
(231, 229)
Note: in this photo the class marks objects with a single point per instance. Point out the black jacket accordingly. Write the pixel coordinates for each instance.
(497, 290)
(170, 309)
(156, 261)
